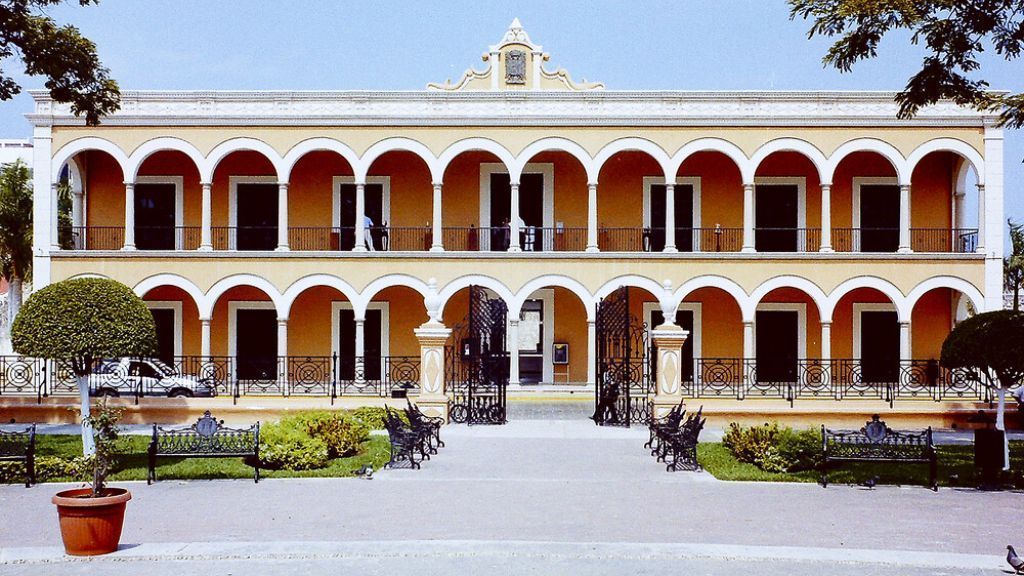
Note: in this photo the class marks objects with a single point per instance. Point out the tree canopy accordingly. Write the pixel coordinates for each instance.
(82, 320)
(954, 34)
(991, 341)
(15, 220)
(68, 60)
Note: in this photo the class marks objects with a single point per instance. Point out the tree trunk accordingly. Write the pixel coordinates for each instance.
(1001, 425)
(14, 292)
(88, 443)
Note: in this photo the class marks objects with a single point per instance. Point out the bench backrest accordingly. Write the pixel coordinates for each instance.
(18, 443)
(877, 440)
(207, 436)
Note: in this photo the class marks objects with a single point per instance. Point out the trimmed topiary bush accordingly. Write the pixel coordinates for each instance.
(343, 435)
(310, 439)
(81, 321)
(774, 449)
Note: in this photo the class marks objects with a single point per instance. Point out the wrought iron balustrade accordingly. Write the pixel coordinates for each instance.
(951, 240)
(787, 239)
(97, 237)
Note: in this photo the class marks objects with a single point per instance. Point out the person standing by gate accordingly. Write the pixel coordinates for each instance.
(607, 411)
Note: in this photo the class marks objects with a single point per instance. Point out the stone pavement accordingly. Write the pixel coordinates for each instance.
(552, 496)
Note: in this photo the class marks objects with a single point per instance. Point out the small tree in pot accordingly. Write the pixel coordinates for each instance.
(991, 343)
(81, 321)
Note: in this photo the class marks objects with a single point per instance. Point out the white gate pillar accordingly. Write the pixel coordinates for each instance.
(433, 399)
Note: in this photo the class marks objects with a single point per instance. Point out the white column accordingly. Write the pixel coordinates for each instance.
(670, 216)
(206, 233)
(748, 218)
(591, 351)
(981, 218)
(360, 243)
(592, 245)
(748, 340)
(904, 218)
(129, 216)
(204, 338)
(958, 208)
(826, 218)
(282, 216)
(826, 341)
(995, 222)
(513, 245)
(43, 218)
(360, 345)
(77, 208)
(513, 351)
(905, 351)
(282, 355)
(438, 244)
(55, 228)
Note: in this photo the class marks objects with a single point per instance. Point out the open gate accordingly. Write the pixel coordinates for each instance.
(624, 385)
(479, 367)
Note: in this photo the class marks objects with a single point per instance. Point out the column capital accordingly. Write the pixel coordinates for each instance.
(282, 185)
(282, 321)
(826, 323)
(206, 184)
(205, 321)
(437, 184)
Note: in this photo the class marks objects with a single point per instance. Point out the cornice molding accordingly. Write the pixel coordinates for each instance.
(508, 108)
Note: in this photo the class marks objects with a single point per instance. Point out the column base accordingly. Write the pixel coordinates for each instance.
(904, 250)
(515, 249)
(359, 249)
(979, 250)
(433, 405)
(205, 248)
(593, 249)
(748, 250)
(437, 248)
(282, 249)
(128, 247)
(826, 249)
(662, 404)
(670, 250)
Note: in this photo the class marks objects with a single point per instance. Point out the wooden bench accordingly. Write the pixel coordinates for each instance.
(207, 438)
(20, 446)
(876, 442)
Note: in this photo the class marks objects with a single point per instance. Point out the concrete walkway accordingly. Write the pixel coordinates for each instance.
(552, 496)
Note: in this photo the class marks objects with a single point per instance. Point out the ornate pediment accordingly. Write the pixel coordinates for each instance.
(515, 63)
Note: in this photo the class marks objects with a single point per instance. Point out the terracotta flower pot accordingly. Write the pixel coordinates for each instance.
(91, 526)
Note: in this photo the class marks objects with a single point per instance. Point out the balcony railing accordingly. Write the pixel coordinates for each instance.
(531, 239)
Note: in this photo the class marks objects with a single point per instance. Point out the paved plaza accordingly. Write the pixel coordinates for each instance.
(533, 497)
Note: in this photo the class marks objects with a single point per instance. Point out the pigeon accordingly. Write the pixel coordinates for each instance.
(366, 472)
(1014, 561)
(870, 483)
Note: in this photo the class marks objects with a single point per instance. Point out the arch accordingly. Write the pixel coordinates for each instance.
(88, 275)
(451, 288)
(562, 145)
(222, 150)
(960, 147)
(390, 281)
(726, 285)
(960, 285)
(165, 143)
(803, 147)
(883, 149)
(396, 144)
(313, 145)
(874, 282)
(633, 281)
(709, 145)
(328, 280)
(469, 144)
(225, 284)
(560, 281)
(160, 280)
(77, 145)
(634, 144)
(816, 294)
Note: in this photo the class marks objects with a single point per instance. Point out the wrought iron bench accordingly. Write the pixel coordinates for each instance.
(207, 438)
(876, 442)
(428, 426)
(678, 447)
(667, 422)
(20, 446)
(405, 441)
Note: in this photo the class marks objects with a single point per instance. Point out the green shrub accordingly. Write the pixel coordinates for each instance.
(374, 416)
(774, 449)
(282, 445)
(49, 468)
(343, 435)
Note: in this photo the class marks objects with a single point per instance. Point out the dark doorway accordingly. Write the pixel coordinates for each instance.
(165, 335)
(256, 344)
(155, 206)
(777, 350)
(257, 216)
(879, 218)
(531, 211)
(879, 346)
(376, 231)
(683, 213)
(776, 218)
(684, 319)
(531, 342)
(372, 359)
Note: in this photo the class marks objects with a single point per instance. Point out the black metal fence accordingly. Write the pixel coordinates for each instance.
(836, 379)
(186, 376)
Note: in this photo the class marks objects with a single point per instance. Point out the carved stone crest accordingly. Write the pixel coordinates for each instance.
(515, 67)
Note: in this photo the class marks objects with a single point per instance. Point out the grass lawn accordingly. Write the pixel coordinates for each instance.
(132, 464)
(956, 468)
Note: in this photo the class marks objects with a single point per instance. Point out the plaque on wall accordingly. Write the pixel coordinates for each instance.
(515, 67)
(560, 353)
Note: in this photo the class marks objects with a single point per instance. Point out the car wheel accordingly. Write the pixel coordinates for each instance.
(180, 393)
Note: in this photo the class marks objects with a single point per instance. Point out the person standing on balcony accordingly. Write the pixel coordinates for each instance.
(368, 232)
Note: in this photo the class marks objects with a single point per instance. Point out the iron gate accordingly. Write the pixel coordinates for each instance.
(624, 385)
(479, 368)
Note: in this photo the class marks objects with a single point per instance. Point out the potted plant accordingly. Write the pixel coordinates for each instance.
(79, 322)
(91, 518)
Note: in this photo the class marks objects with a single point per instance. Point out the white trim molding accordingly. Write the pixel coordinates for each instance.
(859, 181)
(858, 309)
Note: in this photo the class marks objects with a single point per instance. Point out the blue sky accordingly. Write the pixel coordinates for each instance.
(306, 45)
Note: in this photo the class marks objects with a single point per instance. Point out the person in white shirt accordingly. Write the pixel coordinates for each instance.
(368, 232)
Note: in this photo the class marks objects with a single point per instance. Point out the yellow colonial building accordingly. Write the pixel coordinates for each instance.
(779, 244)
